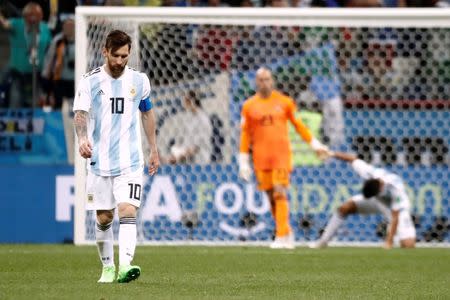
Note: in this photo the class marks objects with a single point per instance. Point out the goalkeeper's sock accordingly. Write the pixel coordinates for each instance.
(281, 212)
(335, 222)
(105, 246)
(127, 240)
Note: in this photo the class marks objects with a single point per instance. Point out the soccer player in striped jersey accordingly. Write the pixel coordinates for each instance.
(107, 105)
(383, 192)
(264, 130)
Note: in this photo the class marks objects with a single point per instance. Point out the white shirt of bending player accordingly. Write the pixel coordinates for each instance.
(394, 194)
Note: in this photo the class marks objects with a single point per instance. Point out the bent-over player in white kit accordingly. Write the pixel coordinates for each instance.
(107, 123)
(383, 192)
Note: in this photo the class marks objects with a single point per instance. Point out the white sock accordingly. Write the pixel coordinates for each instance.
(127, 240)
(333, 224)
(105, 246)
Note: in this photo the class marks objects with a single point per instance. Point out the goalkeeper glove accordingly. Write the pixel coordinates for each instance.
(245, 171)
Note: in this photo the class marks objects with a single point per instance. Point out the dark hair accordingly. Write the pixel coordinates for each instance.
(117, 39)
(371, 187)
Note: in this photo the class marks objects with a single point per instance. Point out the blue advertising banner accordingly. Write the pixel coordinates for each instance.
(32, 210)
(398, 124)
(210, 203)
(31, 137)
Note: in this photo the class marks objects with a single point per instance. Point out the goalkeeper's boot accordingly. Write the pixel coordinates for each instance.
(108, 274)
(290, 241)
(128, 273)
(284, 242)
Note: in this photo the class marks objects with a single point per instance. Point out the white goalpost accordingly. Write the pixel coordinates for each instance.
(384, 71)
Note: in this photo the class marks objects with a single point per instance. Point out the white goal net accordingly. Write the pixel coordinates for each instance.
(375, 82)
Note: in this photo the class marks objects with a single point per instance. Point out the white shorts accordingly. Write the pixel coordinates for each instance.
(106, 192)
(405, 227)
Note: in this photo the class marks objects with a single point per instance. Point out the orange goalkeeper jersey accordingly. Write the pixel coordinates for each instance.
(264, 128)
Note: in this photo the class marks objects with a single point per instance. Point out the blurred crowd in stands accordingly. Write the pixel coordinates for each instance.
(38, 40)
(41, 66)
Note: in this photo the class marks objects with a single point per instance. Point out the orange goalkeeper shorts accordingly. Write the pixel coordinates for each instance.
(267, 179)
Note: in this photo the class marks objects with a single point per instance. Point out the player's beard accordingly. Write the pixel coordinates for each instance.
(116, 70)
(265, 91)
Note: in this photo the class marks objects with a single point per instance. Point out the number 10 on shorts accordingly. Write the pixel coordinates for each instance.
(135, 191)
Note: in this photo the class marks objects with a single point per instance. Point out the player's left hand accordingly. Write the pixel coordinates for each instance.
(245, 171)
(153, 163)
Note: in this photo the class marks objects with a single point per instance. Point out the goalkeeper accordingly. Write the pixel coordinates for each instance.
(264, 130)
(382, 192)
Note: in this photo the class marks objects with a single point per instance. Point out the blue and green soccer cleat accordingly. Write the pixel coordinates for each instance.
(128, 273)
(108, 274)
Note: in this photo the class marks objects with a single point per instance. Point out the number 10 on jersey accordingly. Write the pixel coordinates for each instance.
(117, 105)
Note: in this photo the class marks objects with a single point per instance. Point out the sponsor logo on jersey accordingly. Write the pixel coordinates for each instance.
(278, 108)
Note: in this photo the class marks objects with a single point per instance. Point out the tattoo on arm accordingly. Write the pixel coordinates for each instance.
(80, 122)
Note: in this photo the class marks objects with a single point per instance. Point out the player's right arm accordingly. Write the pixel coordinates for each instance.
(245, 170)
(363, 169)
(344, 156)
(81, 106)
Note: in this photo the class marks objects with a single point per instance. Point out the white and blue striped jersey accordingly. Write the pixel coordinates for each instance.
(394, 194)
(114, 120)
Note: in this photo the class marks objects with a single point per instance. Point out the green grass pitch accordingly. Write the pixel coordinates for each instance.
(69, 272)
